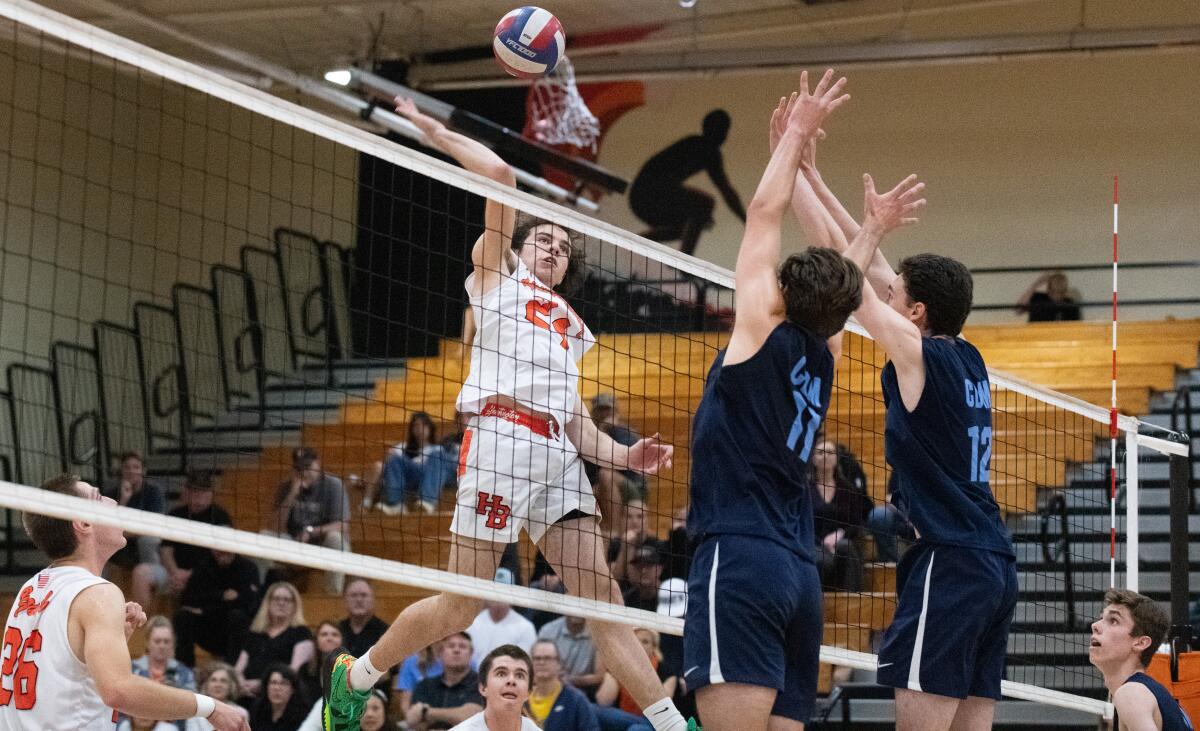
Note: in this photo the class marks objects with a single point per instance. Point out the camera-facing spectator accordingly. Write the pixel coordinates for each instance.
(329, 639)
(634, 536)
(280, 707)
(219, 681)
(221, 595)
(645, 576)
(553, 704)
(159, 663)
(277, 635)
(1050, 298)
(840, 509)
(361, 628)
(418, 465)
(177, 560)
(499, 625)
(445, 700)
(615, 707)
(417, 667)
(133, 489)
(576, 652)
(312, 507)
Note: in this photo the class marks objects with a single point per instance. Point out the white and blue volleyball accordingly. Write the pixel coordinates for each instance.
(529, 42)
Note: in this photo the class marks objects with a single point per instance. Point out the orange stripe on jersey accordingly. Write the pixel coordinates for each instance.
(462, 452)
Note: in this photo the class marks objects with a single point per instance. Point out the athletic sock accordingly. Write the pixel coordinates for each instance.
(664, 716)
(364, 675)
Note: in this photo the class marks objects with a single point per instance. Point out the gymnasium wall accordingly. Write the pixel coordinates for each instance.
(113, 189)
(1018, 157)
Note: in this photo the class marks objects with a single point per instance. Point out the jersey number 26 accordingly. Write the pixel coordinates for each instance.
(20, 668)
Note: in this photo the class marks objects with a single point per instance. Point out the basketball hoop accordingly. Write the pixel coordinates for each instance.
(558, 113)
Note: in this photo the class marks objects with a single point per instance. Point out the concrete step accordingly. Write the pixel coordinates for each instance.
(1054, 613)
(1096, 552)
(867, 713)
(1073, 679)
(1091, 582)
(1084, 524)
(1149, 468)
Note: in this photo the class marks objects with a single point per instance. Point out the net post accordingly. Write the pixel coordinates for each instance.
(1180, 636)
(1131, 511)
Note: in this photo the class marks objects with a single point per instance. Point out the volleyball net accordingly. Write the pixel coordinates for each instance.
(216, 277)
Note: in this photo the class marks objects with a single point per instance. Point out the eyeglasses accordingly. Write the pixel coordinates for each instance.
(283, 599)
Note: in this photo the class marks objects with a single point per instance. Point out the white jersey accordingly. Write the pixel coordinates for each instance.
(527, 347)
(477, 723)
(44, 687)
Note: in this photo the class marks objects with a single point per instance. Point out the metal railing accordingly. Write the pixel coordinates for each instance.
(1059, 547)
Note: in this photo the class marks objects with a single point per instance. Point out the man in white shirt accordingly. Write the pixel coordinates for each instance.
(504, 678)
(499, 625)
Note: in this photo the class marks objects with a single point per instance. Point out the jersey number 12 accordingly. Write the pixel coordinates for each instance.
(981, 441)
(20, 668)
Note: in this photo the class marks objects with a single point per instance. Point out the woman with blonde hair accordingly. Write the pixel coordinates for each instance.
(220, 681)
(615, 707)
(277, 635)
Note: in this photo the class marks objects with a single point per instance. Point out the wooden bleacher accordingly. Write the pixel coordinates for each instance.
(659, 380)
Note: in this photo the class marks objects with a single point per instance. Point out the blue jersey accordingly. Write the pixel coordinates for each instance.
(1173, 717)
(941, 450)
(752, 438)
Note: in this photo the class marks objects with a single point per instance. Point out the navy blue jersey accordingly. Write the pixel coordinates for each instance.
(942, 449)
(752, 438)
(1173, 717)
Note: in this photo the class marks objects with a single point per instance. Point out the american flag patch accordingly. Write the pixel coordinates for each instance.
(42, 580)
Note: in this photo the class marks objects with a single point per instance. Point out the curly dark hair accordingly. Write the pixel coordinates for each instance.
(820, 290)
(576, 264)
(944, 286)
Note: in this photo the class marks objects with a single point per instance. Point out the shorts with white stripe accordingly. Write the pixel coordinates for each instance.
(754, 617)
(950, 632)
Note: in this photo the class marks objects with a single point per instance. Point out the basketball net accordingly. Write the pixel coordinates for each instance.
(560, 116)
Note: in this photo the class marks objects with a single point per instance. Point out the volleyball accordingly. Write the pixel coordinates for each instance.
(529, 42)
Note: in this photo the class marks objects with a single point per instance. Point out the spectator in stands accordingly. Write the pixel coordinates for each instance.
(218, 681)
(222, 594)
(415, 668)
(312, 508)
(622, 549)
(376, 716)
(277, 635)
(645, 576)
(159, 663)
(677, 557)
(614, 487)
(280, 707)
(132, 489)
(329, 638)
(1050, 298)
(499, 625)
(419, 464)
(545, 579)
(553, 704)
(840, 509)
(576, 653)
(888, 523)
(145, 724)
(361, 628)
(177, 560)
(445, 700)
(615, 708)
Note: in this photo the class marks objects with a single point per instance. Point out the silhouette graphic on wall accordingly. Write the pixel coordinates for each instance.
(674, 211)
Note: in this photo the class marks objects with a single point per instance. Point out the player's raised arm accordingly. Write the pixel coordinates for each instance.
(100, 614)
(760, 302)
(491, 255)
(898, 335)
(879, 272)
(647, 455)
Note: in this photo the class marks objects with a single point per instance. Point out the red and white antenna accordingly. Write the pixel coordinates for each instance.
(1112, 414)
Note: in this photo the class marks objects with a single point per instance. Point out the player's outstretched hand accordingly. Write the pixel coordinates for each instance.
(650, 455)
(225, 718)
(898, 207)
(407, 108)
(779, 123)
(808, 111)
(134, 617)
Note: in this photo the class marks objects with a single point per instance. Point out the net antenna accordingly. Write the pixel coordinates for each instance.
(560, 116)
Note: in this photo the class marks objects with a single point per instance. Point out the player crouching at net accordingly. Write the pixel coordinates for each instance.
(66, 657)
(520, 464)
(1124, 639)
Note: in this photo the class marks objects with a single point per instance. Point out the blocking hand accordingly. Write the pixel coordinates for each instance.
(898, 207)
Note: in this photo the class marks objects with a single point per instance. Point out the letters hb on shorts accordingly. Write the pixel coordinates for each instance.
(494, 508)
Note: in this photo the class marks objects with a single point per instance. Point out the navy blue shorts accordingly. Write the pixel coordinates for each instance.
(950, 632)
(754, 617)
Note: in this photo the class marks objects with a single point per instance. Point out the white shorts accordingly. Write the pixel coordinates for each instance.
(512, 477)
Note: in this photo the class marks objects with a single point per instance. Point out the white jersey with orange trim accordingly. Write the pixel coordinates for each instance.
(527, 347)
(43, 686)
